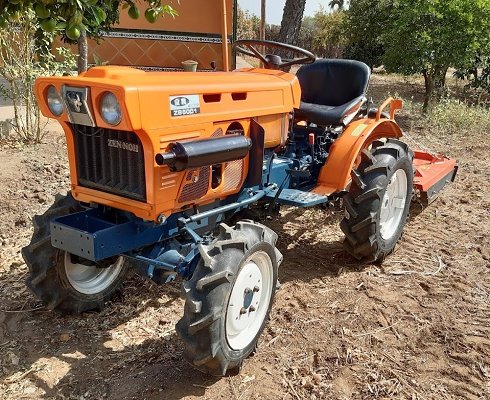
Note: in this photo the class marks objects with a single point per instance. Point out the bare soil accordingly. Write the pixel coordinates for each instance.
(415, 327)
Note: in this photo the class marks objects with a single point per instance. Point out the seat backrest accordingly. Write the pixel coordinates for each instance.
(333, 82)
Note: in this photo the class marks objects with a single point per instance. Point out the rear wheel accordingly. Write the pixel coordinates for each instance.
(229, 297)
(64, 282)
(377, 205)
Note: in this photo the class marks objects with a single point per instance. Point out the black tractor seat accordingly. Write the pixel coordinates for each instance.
(331, 90)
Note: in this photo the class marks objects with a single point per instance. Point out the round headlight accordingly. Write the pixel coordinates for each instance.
(110, 109)
(53, 99)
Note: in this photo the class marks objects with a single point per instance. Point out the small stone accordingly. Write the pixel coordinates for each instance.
(65, 337)
(14, 358)
(29, 390)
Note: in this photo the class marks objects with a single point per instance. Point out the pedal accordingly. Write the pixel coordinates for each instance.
(298, 198)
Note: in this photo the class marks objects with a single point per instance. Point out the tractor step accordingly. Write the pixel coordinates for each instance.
(297, 198)
(432, 174)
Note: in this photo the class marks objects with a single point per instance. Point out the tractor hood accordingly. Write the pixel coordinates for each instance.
(156, 100)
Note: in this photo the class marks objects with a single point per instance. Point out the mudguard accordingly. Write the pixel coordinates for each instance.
(345, 151)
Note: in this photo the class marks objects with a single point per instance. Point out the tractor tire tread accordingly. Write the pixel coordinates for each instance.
(199, 327)
(42, 258)
(362, 202)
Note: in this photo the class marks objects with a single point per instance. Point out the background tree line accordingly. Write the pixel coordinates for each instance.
(408, 37)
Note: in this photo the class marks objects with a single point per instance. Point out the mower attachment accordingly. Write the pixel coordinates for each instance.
(432, 174)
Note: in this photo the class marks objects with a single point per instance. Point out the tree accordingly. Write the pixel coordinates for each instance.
(248, 25)
(291, 21)
(418, 36)
(20, 65)
(477, 71)
(428, 37)
(75, 20)
(364, 23)
(328, 37)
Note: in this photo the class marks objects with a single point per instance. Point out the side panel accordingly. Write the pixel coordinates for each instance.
(228, 102)
(335, 174)
(168, 192)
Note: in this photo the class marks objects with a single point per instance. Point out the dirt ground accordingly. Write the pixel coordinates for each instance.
(416, 327)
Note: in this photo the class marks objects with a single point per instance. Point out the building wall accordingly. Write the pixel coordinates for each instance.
(195, 34)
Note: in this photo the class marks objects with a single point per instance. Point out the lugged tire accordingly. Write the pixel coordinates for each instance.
(361, 224)
(203, 325)
(47, 277)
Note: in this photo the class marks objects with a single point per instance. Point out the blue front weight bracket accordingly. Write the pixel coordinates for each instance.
(95, 235)
(87, 234)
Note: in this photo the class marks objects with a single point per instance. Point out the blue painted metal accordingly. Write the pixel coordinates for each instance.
(174, 256)
(161, 251)
(96, 234)
(275, 169)
(92, 235)
(243, 202)
(99, 233)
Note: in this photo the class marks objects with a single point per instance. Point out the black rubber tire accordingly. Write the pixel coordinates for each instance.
(202, 328)
(362, 203)
(47, 277)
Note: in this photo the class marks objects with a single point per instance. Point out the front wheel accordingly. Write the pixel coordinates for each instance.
(378, 201)
(229, 297)
(64, 282)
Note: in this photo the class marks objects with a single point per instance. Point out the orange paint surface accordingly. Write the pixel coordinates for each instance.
(430, 169)
(144, 97)
(358, 135)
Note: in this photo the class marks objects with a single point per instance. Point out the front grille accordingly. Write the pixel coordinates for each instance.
(110, 160)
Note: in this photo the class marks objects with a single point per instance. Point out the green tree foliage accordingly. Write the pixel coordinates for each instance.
(70, 17)
(20, 65)
(321, 33)
(248, 25)
(328, 38)
(421, 36)
(477, 71)
(365, 22)
(428, 37)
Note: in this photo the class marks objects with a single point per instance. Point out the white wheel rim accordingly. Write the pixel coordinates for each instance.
(91, 280)
(249, 301)
(393, 204)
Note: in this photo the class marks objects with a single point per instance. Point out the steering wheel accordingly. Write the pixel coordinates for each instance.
(272, 61)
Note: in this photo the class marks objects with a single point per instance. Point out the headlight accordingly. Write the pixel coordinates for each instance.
(55, 104)
(110, 109)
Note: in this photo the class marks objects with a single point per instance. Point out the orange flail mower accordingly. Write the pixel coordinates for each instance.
(173, 173)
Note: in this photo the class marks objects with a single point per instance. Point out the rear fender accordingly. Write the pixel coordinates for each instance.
(345, 151)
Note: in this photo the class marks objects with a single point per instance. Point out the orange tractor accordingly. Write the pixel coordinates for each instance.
(172, 172)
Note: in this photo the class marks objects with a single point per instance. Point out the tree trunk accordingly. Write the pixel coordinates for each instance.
(262, 20)
(291, 21)
(440, 89)
(441, 79)
(82, 52)
(429, 81)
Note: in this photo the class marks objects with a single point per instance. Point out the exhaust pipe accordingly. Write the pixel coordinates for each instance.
(200, 153)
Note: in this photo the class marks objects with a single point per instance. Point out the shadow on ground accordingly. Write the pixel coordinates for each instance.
(99, 355)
